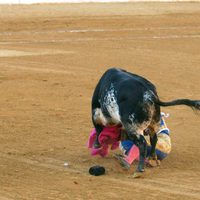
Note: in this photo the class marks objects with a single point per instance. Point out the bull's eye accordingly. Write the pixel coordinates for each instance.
(112, 99)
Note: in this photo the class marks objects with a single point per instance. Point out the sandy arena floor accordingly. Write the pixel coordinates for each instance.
(51, 57)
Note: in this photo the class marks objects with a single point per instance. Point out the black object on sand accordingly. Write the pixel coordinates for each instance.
(97, 170)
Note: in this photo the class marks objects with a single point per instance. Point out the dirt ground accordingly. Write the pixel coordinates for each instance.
(51, 57)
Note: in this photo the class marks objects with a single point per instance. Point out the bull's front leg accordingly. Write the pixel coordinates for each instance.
(142, 145)
(153, 141)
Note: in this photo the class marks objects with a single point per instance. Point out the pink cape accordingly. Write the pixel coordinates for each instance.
(109, 136)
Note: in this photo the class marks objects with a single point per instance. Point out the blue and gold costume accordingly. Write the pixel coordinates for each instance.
(163, 146)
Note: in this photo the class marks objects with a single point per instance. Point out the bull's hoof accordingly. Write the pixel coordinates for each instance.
(153, 163)
(137, 175)
(140, 167)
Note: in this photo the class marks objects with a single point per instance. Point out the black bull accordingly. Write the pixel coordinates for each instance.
(129, 100)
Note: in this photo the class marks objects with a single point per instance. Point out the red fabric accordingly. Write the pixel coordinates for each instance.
(133, 154)
(108, 136)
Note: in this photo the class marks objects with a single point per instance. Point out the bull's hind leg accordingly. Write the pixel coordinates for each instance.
(154, 127)
(152, 160)
(153, 141)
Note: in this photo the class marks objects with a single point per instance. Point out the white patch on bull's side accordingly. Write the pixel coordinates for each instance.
(110, 102)
(99, 117)
(132, 118)
(147, 96)
(148, 106)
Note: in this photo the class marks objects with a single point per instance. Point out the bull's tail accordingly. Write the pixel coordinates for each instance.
(194, 104)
